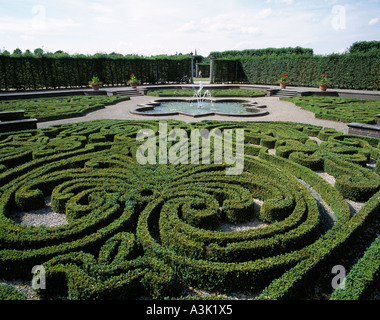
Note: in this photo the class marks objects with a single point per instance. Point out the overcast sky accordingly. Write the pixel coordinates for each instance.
(150, 27)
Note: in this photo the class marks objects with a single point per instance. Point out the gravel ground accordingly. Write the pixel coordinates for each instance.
(278, 111)
(254, 224)
(41, 217)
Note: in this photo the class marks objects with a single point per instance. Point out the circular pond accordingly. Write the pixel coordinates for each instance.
(224, 107)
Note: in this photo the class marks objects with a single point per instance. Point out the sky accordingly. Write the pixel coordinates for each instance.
(152, 27)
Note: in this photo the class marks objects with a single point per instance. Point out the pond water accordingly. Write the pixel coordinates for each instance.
(207, 107)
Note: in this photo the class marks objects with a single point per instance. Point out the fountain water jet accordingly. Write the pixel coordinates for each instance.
(199, 97)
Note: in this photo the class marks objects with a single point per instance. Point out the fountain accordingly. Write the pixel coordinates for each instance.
(201, 105)
(201, 98)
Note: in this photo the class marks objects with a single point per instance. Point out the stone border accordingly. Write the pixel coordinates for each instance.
(362, 129)
(249, 105)
(270, 89)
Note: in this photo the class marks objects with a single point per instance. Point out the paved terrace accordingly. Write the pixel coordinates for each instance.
(278, 110)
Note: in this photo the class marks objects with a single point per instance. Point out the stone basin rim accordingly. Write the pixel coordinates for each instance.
(248, 104)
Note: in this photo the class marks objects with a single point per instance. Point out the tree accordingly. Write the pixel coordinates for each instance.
(5, 53)
(27, 53)
(17, 52)
(38, 52)
(364, 46)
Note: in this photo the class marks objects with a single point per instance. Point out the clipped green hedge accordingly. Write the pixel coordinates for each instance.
(339, 109)
(32, 73)
(214, 93)
(152, 230)
(346, 71)
(44, 109)
(363, 277)
(9, 292)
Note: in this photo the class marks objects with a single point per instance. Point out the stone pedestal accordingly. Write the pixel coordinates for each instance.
(366, 130)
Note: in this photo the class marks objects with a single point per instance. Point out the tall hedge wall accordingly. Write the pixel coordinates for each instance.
(31, 73)
(347, 71)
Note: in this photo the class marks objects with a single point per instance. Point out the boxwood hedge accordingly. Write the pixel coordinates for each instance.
(153, 229)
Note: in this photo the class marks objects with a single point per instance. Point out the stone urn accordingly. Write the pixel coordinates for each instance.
(323, 87)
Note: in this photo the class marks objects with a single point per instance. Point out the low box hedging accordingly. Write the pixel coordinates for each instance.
(363, 277)
(333, 243)
(312, 162)
(339, 108)
(148, 229)
(8, 292)
(49, 109)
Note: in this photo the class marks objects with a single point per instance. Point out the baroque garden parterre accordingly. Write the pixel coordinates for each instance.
(151, 230)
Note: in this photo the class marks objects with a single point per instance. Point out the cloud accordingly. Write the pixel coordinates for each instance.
(238, 23)
(97, 7)
(265, 13)
(155, 27)
(280, 1)
(36, 26)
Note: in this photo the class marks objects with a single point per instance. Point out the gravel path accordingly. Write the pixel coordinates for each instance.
(41, 217)
(278, 111)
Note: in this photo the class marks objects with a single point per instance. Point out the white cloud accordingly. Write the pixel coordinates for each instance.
(236, 24)
(280, 1)
(31, 26)
(97, 7)
(168, 26)
(265, 13)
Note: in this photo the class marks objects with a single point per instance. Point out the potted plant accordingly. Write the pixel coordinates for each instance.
(324, 82)
(133, 82)
(283, 81)
(95, 83)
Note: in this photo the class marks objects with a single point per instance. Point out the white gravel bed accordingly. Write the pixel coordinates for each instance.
(355, 206)
(329, 178)
(254, 224)
(40, 217)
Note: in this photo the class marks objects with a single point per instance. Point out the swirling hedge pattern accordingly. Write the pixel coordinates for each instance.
(154, 230)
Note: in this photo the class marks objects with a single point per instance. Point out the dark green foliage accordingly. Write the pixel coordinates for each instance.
(346, 71)
(262, 52)
(149, 230)
(214, 93)
(25, 73)
(44, 109)
(339, 109)
(8, 292)
(364, 46)
(363, 277)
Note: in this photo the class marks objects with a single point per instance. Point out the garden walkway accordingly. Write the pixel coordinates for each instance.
(278, 111)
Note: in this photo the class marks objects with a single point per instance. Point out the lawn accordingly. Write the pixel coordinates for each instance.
(339, 109)
(44, 109)
(214, 93)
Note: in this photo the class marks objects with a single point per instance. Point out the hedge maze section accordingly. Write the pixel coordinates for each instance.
(157, 230)
(339, 109)
(48, 109)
